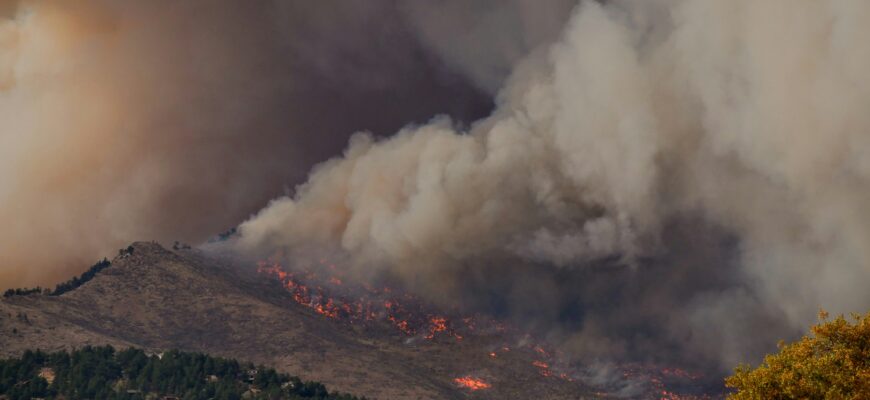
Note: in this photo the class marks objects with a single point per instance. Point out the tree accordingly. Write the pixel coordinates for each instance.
(102, 373)
(77, 281)
(832, 363)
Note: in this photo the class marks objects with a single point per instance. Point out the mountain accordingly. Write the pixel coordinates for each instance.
(157, 298)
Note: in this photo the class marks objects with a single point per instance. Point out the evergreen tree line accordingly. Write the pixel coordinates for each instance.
(22, 291)
(64, 287)
(73, 283)
(77, 281)
(104, 373)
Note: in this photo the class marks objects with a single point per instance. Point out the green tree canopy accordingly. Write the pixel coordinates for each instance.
(831, 363)
(102, 373)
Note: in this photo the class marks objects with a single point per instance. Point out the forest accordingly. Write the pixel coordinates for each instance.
(106, 373)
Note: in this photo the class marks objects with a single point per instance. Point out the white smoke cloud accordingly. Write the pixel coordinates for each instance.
(750, 114)
(598, 238)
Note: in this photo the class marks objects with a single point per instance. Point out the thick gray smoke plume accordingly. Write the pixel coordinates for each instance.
(690, 174)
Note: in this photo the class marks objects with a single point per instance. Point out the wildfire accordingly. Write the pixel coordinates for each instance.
(543, 368)
(667, 382)
(316, 298)
(472, 383)
(437, 324)
(403, 311)
(328, 295)
(540, 350)
(328, 310)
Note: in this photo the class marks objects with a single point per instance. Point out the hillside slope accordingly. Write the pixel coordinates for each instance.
(157, 299)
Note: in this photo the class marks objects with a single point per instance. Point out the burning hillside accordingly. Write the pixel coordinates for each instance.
(325, 290)
(331, 297)
(156, 299)
(381, 342)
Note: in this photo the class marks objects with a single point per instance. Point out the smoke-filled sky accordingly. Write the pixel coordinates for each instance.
(640, 178)
(129, 120)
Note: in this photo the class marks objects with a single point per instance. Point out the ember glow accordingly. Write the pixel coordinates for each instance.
(543, 368)
(472, 383)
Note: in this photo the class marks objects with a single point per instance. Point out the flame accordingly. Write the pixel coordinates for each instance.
(329, 309)
(437, 324)
(402, 310)
(543, 368)
(472, 383)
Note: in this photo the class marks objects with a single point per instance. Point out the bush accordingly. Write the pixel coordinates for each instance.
(832, 363)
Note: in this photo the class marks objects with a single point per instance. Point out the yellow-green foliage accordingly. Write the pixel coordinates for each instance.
(832, 363)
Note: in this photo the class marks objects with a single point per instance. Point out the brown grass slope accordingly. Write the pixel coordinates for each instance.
(161, 299)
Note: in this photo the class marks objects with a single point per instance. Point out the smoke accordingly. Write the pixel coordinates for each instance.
(130, 121)
(483, 40)
(668, 179)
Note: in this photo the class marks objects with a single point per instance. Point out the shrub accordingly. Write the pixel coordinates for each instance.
(832, 363)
